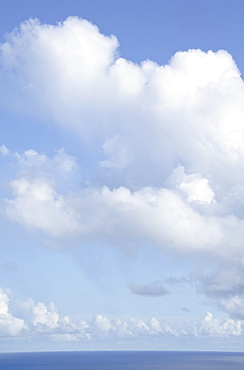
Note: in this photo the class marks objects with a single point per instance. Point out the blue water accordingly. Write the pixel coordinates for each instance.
(122, 360)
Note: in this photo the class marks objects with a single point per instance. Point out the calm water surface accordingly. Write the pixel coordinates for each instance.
(122, 360)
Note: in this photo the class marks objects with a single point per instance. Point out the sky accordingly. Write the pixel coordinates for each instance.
(122, 171)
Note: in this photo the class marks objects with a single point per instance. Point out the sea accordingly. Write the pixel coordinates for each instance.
(122, 360)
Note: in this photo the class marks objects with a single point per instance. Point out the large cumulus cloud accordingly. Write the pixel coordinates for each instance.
(145, 118)
(167, 142)
(184, 216)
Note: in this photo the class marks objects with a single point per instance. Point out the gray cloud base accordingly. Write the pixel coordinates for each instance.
(154, 289)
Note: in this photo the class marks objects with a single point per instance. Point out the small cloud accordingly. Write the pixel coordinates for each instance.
(4, 151)
(185, 309)
(8, 267)
(176, 281)
(154, 289)
(117, 152)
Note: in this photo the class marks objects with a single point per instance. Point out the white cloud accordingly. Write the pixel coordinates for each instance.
(34, 163)
(4, 150)
(39, 316)
(115, 149)
(138, 327)
(38, 319)
(37, 205)
(158, 215)
(102, 323)
(196, 189)
(155, 325)
(215, 327)
(189, 111)
(3, 303)
(184, 215)
(10, 326)
(183, 120)
(168, 142)
(44, 315)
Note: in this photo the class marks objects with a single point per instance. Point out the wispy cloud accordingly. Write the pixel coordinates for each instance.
(154, 289)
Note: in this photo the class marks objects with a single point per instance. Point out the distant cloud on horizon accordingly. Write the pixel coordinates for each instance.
(33, 320)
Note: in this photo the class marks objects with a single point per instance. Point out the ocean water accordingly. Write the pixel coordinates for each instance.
(122, 360)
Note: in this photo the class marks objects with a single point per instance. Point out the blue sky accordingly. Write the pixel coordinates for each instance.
(122, 193)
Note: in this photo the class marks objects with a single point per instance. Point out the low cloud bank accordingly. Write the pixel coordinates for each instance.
(40, 320)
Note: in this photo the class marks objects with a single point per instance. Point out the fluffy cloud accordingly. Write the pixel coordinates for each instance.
(45, 315)
(182, 215)
(102, 323)
(146, 118)
(167, 142)
(35, 319)
(171, 136)
(10, 326)
(37, 205)
(215, 327)
(193, 186)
